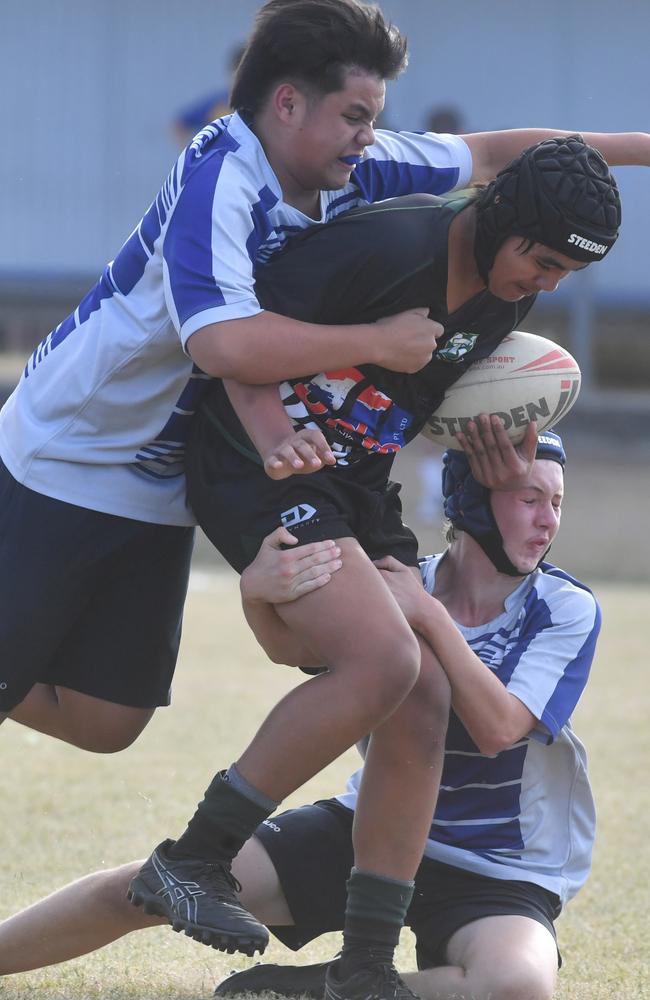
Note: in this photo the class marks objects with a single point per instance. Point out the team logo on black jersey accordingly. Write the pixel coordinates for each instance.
(296, 515)
(457, 347)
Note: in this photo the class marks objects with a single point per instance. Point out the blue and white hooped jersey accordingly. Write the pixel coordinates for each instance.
(100, 415)
(527, 812)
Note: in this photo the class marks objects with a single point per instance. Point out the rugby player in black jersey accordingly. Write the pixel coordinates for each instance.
(474, 263)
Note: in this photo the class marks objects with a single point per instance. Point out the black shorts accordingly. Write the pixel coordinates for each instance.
(237, 505)
(89, 601)
(311, 850)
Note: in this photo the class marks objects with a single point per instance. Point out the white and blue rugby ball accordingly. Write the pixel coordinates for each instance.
(525, 378)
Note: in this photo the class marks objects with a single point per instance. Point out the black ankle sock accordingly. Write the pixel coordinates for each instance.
(229, 814)
(374, 916)
(361, 954)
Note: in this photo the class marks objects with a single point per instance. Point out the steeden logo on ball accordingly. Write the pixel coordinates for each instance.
(526, 378)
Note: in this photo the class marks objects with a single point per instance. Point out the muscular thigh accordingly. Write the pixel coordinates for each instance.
(354, 618)
(501, 951)
(261, 889)
(89, 723)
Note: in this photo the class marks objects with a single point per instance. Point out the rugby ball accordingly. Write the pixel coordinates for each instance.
(526, 378)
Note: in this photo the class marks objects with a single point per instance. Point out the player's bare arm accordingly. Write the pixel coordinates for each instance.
(269, 347)
(494, 718)
(284, 451)
(493, 150)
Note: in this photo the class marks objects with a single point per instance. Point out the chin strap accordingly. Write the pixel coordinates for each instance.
(492, 545)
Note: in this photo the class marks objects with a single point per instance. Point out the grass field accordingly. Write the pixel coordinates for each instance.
(66, 813)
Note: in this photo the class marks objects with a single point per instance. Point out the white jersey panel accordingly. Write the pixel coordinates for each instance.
(527, 812)
(101, 413)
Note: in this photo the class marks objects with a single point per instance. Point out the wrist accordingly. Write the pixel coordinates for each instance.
(248, 588)
(418, 616)
(429, 614)
(369, 344)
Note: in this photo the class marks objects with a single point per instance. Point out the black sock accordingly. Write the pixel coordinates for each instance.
(229, 814)
(374, 916)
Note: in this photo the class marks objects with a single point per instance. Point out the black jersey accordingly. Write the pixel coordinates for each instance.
(366, 264)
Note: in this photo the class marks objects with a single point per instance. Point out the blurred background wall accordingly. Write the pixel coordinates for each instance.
(91, 91)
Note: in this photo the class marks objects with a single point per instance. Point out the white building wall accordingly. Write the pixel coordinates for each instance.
(89, 90)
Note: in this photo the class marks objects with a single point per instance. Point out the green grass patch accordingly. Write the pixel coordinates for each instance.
(66, 813)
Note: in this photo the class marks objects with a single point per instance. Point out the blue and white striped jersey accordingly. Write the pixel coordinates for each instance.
(525, 813)
(100, 415)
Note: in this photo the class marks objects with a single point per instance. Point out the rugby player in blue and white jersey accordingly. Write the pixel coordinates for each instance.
(513, 830)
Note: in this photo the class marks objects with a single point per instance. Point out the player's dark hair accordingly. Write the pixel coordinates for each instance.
(558, 192)
(312, 44)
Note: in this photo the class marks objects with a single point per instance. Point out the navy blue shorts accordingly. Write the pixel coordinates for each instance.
(237, 505)
(89, 601)
(311, 850)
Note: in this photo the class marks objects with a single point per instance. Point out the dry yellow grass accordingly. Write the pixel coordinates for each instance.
(66, 813)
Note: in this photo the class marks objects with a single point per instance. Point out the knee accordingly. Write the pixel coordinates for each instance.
(394, 671)
(522, 982)
(106, 729)
(105, 743)
(105, 739)
(429, 703)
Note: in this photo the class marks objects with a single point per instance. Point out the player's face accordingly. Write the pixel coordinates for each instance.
(340, 124)
(529, 518)
(518, 272)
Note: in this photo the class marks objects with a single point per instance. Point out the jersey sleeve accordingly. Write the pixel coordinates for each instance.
(427, 566)
(413, 163)
(209, 250)
(548, 664)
